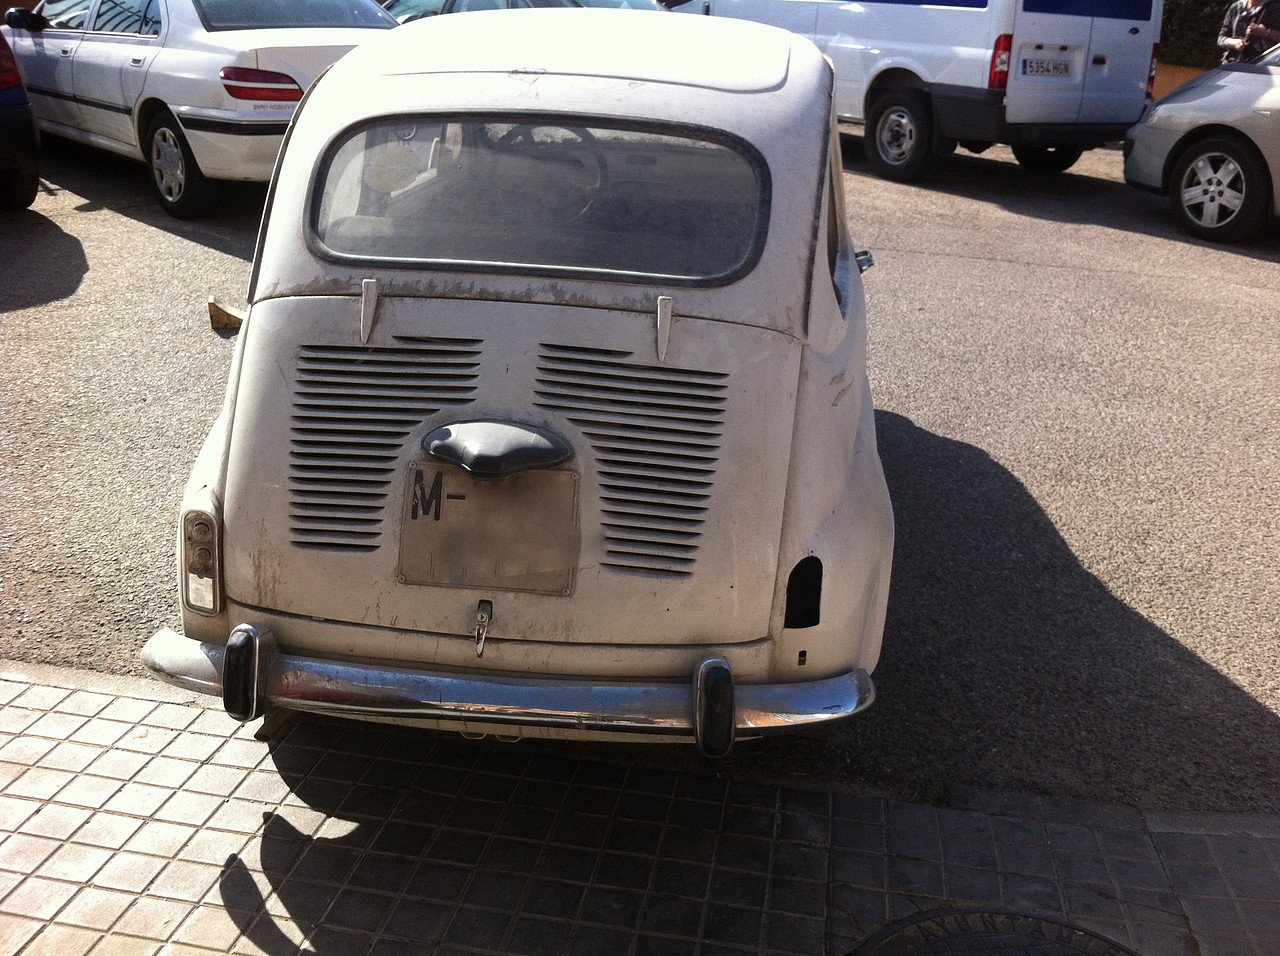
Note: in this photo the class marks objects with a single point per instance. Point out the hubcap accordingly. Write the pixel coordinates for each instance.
(1213, 190)
(167, 164)
(896, 136)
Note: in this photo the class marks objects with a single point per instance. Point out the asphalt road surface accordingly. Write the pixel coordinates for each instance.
(1079, 416)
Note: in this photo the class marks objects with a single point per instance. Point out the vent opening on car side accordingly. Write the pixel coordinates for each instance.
(804, 594)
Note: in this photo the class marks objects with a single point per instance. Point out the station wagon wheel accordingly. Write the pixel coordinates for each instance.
(899, 135)
(1046, 160)
(182, 189)
(585, 171)
(1220, 190)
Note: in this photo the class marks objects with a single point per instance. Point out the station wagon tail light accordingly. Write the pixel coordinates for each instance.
(9, 77)
(201, 552)
(246, 84)
(1151, 75)
(1001, 54)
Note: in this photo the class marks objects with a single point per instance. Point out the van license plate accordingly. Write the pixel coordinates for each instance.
(1046, 67)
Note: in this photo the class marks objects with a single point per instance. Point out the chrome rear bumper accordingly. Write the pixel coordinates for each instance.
(367, 690)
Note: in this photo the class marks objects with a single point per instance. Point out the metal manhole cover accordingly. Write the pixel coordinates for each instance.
(987, 933)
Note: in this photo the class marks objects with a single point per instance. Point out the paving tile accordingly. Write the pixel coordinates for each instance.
(732, 925)
(148, 740)
(162, 771)
(189, 746)
(10, 690)
(32, 817)
(477, 928)
(533, 936)
(15, 931)
(41, 697)
(129, 871)
(125, 946)
(127, 710)
(184, 880)
(152, 918)
(160, 838)
(16, 720)
(794, 934)
(1031, 893)
(26, 750)
(102, 732)
(423, 921)
(192, 808)
(23, 854)
(212, 846)
(39, 783)
(1025, 860)
(38, 898)
(74, 861)
(85, 703)
(96, 908)
(59, 940)
(171, 716)
(672, 916)
(91, 791)
(118, 764)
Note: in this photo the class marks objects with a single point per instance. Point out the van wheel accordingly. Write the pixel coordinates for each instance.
(1046, 160)
(899, 135)
(182, 189)
(1219, 190)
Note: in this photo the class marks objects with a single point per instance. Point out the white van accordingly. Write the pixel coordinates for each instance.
(1050, 78)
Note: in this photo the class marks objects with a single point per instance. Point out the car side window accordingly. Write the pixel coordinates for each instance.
(128, 16)
(65, 14)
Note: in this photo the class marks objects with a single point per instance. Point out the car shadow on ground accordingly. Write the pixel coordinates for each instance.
(1007, 663)
(1070, 198)
(42, 263)
(106, 181)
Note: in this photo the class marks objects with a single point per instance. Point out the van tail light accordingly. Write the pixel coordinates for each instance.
(201, 568)
(1151, 76)
(1001, 54)
(246, 84)
(9, 77)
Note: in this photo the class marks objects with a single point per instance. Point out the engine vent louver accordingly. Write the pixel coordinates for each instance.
(655, 434)
(353, 409)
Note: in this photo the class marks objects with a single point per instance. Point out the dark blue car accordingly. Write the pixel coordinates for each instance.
(19, 146)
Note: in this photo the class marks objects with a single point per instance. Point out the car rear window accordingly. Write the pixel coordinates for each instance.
(543, 195)
(257, 14)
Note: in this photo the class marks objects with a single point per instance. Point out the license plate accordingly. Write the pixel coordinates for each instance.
(1046, 67)
(519, 534)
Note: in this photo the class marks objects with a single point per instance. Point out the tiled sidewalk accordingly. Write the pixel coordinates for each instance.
(135, 820)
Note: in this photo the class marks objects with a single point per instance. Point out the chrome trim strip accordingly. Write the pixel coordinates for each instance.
(337, 687)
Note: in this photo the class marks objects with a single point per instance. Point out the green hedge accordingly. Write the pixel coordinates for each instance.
(1189, 36)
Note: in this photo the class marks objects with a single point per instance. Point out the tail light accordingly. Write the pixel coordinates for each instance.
(246, 84)
(1001, 54)
(201, 569)
(9, 77)
(1151, 76)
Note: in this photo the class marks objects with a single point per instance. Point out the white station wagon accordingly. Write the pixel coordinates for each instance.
(550, 414)
(200, 90)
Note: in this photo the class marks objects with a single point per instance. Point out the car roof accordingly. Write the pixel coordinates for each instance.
(719, 53)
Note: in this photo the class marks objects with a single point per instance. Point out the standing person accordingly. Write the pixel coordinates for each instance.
(1250, 28)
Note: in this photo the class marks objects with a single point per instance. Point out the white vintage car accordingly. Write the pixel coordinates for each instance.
(550, 414)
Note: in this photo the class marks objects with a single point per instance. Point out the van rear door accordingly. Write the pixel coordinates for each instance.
(1081, 61)
(1120, 50)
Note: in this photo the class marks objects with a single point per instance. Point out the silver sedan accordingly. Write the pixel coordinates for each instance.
(1213, 146)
